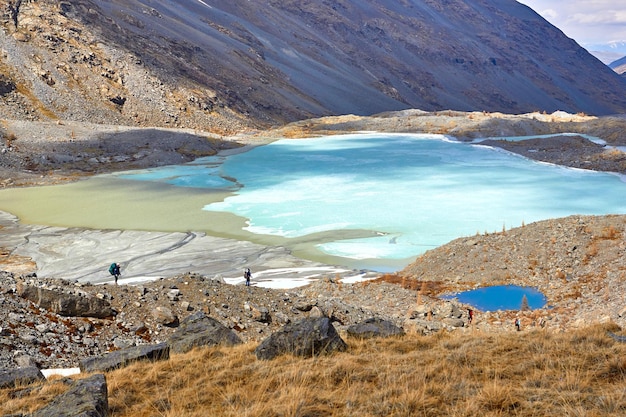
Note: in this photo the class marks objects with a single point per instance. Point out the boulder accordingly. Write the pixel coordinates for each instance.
(25, 361)
(374, 327)
(86, 398)
(281, 318)
(316, 313)
(260, 314)
(304, 306)
(453, 322)
(10, 377)
(337, 310)
(421, 311)
(7, 85)
(173, 294)
(122, 357)
(308, 337)
(450, 310)
(424, 327)
(165, 316)
(201, 330)
(66, 304)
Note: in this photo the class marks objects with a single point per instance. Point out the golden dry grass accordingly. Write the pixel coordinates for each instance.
(535, 373)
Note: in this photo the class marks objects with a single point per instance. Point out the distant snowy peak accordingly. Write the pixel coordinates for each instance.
(615, 52)
(607, 52)
(618, 46)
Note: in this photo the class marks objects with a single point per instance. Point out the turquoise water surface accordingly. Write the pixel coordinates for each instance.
(412, 192)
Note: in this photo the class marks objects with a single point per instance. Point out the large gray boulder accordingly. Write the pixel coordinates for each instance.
(86, 398)
(201, 330)
(374, 327)
(12, 376)
(308, 337)
(120, 358)
(66, 304)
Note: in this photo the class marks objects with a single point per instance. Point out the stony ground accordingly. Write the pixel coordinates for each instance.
(578, 262)
(39, 153)
(32, 334)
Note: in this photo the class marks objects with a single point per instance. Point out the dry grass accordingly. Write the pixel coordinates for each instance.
(430, 288)
(532, 373)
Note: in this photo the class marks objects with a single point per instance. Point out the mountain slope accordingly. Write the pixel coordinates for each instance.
(619, 65)
(195, 63)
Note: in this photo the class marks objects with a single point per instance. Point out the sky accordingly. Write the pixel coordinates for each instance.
(594, 24)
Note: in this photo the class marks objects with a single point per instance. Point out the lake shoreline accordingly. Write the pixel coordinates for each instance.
(69, 154)
(175, 200)
(84, 255)
(123, 147)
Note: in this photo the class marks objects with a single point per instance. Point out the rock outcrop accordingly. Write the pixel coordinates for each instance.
(201, 330)
(165, 316)
(122, 357)
(85, 398)
(374, 327)
(308, 337)
(66, 304)
(12, 376)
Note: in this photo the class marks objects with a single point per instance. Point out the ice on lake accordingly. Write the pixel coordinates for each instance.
(413, 192)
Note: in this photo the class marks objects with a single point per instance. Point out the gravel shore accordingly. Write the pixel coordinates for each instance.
(39, 153)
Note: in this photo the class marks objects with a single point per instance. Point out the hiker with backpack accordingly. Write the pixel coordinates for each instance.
(114, 270)
(247, 275)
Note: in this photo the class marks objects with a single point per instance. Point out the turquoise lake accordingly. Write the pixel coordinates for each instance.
(402, 194)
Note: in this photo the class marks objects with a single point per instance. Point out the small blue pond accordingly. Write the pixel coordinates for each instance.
(501, 297)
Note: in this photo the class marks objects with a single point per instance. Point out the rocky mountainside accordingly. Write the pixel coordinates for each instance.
(55, 67)
(225, 66)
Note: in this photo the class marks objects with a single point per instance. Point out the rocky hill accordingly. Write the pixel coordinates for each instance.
(578, 261)
(227, 66)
